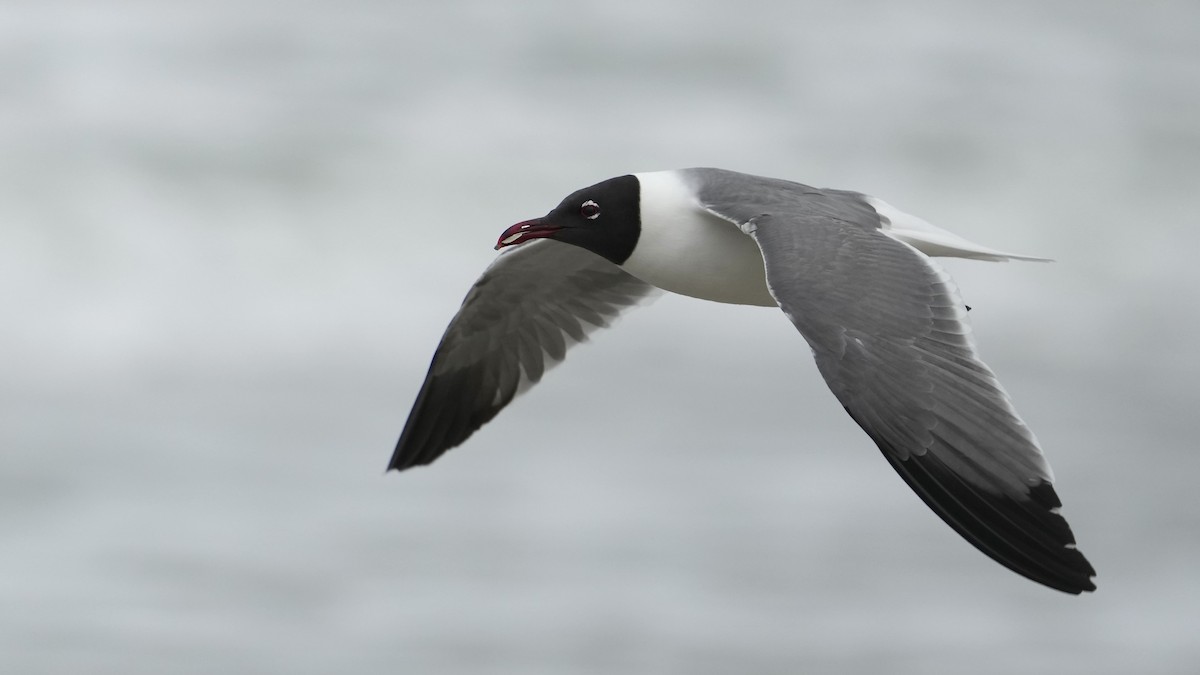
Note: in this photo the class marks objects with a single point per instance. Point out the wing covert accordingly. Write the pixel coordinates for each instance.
(519, 319)
(890, 336)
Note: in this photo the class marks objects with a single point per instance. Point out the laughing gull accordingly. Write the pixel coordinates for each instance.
(886, 326)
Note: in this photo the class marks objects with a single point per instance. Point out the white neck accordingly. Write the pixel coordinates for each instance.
(685, 249)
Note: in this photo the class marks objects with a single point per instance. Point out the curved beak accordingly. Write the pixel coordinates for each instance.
(526, 230)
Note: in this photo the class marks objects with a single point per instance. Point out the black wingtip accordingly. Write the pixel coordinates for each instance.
(1043, 495)
(449, 408)
(1028, 535)
(400, 460)
(1025, 533)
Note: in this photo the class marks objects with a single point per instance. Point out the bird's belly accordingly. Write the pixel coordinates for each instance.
(701, 256)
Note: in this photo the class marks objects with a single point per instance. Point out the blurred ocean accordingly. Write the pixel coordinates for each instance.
(231, 234)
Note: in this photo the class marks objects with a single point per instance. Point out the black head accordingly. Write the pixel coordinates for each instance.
(604, 219)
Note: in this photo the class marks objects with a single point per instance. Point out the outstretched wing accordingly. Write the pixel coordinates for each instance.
(890, 336)
(532, 303)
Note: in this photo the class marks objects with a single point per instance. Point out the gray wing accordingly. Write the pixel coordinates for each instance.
(889, 334)
(531, 304)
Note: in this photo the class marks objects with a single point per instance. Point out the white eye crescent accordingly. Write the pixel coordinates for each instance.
(589, 210)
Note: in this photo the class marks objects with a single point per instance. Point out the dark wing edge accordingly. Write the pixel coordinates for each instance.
(912, 380)
(1026, 535)
(532, 304)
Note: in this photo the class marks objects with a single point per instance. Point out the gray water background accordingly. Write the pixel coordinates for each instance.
(232, 233)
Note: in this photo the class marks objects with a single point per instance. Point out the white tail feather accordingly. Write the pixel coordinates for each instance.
(934, 241)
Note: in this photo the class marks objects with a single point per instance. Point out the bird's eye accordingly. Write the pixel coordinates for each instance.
(590, 210)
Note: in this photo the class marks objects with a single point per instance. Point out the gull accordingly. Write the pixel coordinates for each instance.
(886, 326)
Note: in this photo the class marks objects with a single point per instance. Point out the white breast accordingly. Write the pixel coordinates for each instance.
(684, 249)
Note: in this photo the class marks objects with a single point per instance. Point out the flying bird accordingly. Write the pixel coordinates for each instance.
(886, 326)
